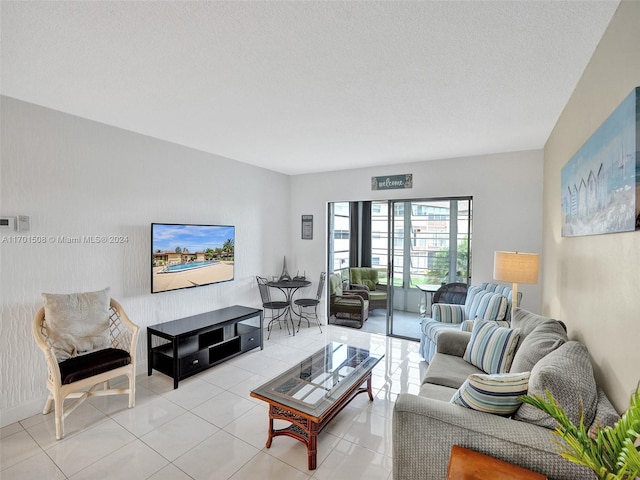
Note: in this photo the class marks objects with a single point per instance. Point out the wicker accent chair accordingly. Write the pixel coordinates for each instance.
(79, 377)
(366, 278)
(349, 307)
(451, 293)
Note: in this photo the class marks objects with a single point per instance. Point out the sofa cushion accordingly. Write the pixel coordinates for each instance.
(377, 295)
(505, 290)
(497, 394)
(92, 364)
(449, 371)
(78, 323)
(335, 284)
(606, 414)
(544, 339)
(567, 374)
(491, 347)
(527, 321)
(364, 276)
(436, 392)
(484, 305)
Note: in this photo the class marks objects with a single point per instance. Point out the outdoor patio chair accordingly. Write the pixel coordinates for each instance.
(349, 307)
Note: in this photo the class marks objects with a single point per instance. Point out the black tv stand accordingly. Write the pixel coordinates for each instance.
(186, 346)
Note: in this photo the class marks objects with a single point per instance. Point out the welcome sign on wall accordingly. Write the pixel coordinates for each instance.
(392, 182)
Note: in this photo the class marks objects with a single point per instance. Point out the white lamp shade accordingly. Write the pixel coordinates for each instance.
(516, 267)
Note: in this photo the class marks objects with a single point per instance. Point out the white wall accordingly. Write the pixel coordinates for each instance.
(76, 177)
(506, 190)
(593, 282)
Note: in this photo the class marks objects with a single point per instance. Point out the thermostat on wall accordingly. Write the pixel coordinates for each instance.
(22, 223)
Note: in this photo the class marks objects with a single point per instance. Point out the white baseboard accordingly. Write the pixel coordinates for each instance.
(24, 410)
(34, 406)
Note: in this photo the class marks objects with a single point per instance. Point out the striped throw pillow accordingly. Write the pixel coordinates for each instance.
(485, 305)
(491, 347)
(497, 394)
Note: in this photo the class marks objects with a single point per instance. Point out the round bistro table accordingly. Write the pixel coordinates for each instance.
(289, 288)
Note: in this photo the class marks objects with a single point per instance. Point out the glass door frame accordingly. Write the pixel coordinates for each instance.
(407, 239)
(406, 247)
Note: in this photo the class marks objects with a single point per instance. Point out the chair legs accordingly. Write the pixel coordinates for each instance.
(83, 389)
(277, 318)
(132, 389)
(302, 315)
(57, 403)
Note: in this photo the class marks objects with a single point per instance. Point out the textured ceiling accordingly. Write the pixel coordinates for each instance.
(311, 86)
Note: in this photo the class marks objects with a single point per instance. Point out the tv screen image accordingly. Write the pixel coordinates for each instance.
(189, 255)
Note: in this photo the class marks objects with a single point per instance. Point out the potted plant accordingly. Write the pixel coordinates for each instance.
(612, 453)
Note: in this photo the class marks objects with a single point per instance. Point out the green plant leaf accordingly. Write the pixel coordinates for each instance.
(614, 453)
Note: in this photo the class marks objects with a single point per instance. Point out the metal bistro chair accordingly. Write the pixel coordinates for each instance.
(279, 306)
(303, 303)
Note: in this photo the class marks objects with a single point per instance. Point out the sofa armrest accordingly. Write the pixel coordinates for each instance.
(424, 430)
(453, 342)
(358, 286)
(447, 312)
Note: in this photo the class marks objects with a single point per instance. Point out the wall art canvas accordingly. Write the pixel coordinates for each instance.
(601, 182)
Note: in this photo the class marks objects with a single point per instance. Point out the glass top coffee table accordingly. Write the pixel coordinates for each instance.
(314, 391)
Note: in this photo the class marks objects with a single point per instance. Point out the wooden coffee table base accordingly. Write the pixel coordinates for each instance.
(306, 428)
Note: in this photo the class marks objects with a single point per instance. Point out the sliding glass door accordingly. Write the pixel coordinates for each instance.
(416, 246)
(429, 246)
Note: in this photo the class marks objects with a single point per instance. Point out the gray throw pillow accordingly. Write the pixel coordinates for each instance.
(567, 374)
(544, 339)
(77, 323)
(526, 322)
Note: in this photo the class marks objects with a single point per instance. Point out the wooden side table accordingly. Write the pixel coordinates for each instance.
(466, 464)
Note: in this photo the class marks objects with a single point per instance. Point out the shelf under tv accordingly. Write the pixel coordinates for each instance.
(183, 347)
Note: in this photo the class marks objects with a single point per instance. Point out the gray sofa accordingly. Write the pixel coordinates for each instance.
(426, 426)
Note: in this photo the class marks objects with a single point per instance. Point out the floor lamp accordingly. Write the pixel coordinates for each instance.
(516, 267)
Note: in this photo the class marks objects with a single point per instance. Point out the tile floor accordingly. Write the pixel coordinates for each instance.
(210, 428)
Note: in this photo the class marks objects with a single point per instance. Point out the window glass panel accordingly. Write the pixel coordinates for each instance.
(339, 249)
(437, 229)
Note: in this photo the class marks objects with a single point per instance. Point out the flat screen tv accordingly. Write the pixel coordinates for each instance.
(188, 255)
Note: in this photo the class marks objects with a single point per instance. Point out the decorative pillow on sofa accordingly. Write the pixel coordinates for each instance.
(484, 304)
(567, 374)
(527, 321)
(496, 394)
(491, 347)
(544, 339)
(78, 322)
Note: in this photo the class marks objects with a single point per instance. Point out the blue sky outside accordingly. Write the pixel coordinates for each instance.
(195, 238)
